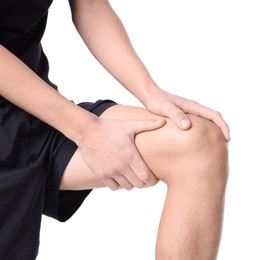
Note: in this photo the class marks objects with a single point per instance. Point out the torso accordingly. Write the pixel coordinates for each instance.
(22, 25)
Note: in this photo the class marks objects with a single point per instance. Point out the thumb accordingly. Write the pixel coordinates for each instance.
(180, 118)
(148, 125)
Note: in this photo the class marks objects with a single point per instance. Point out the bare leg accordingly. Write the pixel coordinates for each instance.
(193, 164)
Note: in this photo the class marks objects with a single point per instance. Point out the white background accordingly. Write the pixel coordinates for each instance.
(203, 50)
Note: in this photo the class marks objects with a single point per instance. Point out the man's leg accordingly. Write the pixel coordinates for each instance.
(193, 164)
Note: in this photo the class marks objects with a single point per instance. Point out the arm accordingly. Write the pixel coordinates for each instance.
(105, 36)
(24, 88)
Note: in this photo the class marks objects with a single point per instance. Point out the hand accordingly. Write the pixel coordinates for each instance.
(165, 104)
(109, 150)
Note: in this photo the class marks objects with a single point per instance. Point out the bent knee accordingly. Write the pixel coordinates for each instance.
(204, 136)
(203, 139)
(174, 154)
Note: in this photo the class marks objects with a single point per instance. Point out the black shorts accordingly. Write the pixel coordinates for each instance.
(33, 157)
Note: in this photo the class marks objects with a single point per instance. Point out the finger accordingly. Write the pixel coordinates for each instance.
(139, 167)
(111, 183)
(133, 179)
(123, 182)
(214, 116)
(219, 121)
(178, 116)
(143, 125)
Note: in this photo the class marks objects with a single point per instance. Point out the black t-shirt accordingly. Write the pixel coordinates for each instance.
(22, 25)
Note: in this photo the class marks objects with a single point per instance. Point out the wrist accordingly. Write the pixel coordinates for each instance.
(81, 123)
(147, 91)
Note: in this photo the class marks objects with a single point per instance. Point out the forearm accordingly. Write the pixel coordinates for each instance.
(105, 36)
(24, 88)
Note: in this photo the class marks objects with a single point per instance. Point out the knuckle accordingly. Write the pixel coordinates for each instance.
(125, 155)
(118, 167)
(101, 174)
(108, 173)
(217, 116)
(167, 106)
(178, 113)
(187, 104)
(111, 184)
(145, 178)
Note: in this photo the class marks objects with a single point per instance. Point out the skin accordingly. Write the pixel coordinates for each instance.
(131, 167)
(194, 166)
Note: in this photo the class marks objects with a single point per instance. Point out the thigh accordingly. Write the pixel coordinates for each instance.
(78, 175)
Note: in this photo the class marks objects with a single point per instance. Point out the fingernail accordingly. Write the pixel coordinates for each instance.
(158, 121)
(185, 123)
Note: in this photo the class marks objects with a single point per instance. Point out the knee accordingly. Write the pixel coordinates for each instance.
(204, 140)
(198, 153)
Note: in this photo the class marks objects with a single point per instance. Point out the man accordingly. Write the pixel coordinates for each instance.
(50, 143)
